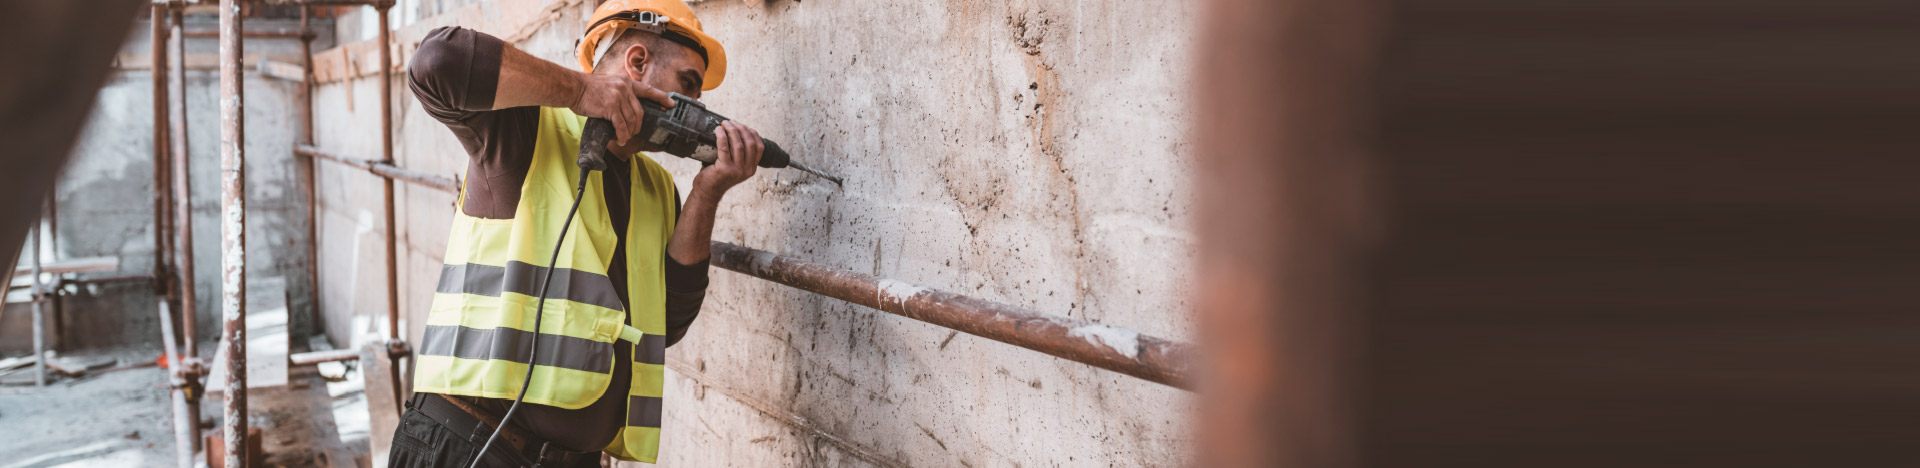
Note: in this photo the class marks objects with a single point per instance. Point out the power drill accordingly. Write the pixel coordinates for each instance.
(686, 131)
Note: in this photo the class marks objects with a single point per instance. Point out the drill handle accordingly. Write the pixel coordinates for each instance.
(593, 144)
(773, 156)
(598, 132)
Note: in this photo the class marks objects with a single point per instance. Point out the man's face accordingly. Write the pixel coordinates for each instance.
(676, 71)
(681, 71)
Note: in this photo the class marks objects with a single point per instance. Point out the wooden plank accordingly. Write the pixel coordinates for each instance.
(77, 366)
(16, 362)
(510, 20)
(377, 369)
(281, 70)
(73, 265)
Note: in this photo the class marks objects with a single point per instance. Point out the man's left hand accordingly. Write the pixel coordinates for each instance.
(739, 151)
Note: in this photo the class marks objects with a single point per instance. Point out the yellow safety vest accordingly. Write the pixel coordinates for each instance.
(477, 336)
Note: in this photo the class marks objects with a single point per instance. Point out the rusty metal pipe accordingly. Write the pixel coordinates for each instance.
(316, 357)
(60, 283)
(107, 279)
(315, 152)
(162, 230)
(162, 177)
(260, 34)
(39, 310)
(233, 223)
(183, 202)
(395, 349)
(184, 403)
(53, 217)
(1107, 347)
(423, 179)
(386, 154)
(380, 168)
(306, 138)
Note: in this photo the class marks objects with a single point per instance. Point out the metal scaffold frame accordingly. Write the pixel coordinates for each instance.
(1146, 357)
(173, 233)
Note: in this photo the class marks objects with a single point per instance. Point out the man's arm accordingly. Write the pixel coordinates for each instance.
(687, 251)
(686, 290)
(739, 150)
(526, 80)
(484, 91)
(454, 75)
(457, 73)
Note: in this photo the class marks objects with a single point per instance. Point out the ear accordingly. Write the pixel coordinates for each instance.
(634, 61)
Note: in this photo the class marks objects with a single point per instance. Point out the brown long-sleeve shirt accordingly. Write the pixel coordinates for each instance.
(455, 74)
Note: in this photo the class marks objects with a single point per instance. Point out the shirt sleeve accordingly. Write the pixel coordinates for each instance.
(454, 74)
(686, 290)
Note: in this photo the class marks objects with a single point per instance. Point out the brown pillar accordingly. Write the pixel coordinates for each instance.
(162, 168)
(386, 154)
(1283, 225)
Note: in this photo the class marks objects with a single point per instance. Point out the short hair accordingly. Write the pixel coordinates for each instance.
(658, 48)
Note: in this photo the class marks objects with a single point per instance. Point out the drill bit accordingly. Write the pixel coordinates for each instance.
(809, 170)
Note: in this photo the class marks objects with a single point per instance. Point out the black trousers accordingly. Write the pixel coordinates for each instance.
(435, 434)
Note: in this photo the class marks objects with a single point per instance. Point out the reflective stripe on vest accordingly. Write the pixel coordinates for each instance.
(522, 278)
(479, 331)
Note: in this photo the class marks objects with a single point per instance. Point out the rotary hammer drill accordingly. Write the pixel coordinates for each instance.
(686, 131)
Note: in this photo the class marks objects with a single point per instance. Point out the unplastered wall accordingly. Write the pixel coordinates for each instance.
(1030, 153)
(105, 194)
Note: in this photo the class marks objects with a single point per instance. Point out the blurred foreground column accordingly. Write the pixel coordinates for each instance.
(1284, 225)
(1499, 233)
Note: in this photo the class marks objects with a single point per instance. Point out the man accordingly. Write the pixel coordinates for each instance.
(634, 258)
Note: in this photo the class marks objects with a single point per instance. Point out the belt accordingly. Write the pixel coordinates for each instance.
(475, 425)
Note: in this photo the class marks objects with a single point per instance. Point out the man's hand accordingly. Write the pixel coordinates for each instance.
(617, 99)
(739, 151)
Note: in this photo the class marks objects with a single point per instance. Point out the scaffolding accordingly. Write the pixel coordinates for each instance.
(1103, 346)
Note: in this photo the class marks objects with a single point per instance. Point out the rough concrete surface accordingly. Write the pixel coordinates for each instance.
(120, 418)
(1026, 152)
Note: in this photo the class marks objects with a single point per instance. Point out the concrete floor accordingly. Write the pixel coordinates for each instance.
(123, 418)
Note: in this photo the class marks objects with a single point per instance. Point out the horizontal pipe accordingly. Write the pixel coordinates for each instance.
(395, 348)
(262, 34)
(312, 152)
(1107, 347)
(316, 357)
(385, 169)
(108, 279)
(423, 179)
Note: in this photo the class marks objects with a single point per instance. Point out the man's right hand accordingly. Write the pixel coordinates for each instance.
(617, 99)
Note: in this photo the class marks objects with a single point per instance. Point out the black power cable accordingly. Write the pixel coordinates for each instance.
(552, 264)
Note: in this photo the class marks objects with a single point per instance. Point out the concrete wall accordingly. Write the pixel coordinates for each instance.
(1030, 153)
(106, 193)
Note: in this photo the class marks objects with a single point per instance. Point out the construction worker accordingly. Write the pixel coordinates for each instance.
(634, 257)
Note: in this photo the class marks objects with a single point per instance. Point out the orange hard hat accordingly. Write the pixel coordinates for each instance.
(671, 19)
